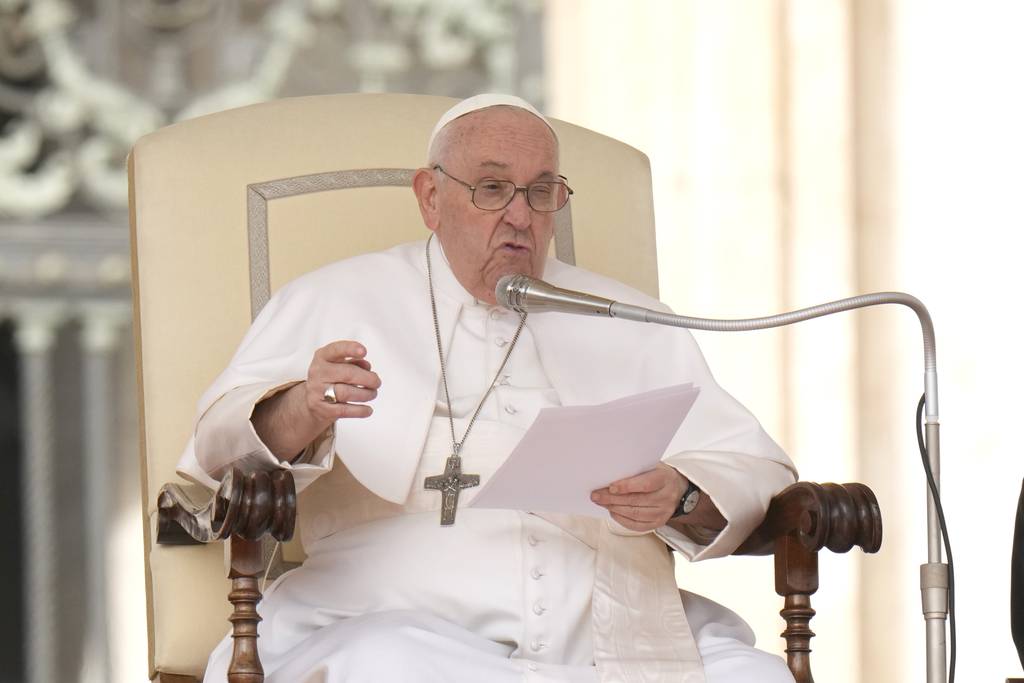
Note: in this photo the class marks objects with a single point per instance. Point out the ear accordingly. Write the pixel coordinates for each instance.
(425, 188)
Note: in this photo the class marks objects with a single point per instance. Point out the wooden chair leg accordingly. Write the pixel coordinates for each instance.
(246, 564)
(247, 507)
(798, 613)
(796, 579)
(803, 519)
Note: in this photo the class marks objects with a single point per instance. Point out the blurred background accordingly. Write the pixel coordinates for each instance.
(802, 150)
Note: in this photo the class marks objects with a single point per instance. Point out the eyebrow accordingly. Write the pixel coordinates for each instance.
(500, 165)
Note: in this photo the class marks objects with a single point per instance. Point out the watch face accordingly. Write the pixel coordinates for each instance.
(691, 502)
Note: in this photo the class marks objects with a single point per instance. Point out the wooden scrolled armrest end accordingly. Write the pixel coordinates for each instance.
(833, 516)
(249, 505)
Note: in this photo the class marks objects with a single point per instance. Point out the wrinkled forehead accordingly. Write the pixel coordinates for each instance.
(500, 136)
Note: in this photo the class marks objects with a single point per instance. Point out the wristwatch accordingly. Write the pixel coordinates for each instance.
(688, 503)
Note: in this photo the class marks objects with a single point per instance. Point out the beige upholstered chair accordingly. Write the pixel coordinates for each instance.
(227, 208)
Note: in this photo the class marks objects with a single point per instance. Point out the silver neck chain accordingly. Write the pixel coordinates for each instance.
(457, 445)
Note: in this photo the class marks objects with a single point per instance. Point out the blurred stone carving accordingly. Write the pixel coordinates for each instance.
(81, 81)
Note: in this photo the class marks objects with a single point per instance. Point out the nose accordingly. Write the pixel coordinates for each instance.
(518, 213)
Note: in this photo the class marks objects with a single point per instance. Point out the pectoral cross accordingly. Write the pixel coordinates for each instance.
(449, 484)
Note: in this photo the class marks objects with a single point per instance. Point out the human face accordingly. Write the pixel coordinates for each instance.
(483, 246)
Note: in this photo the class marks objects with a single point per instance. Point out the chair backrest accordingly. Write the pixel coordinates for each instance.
(228, 207)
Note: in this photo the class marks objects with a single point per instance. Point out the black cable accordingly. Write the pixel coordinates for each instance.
(945, 536)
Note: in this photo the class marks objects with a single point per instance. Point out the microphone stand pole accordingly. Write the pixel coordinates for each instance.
(934, 573)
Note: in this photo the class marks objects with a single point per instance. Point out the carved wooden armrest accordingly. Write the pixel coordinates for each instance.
(833, 516)
(802, 520)
(247, 504)
(245, 508)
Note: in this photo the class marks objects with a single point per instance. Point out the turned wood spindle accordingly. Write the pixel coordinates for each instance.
(246, 560)
(796, 579)
(798, 613)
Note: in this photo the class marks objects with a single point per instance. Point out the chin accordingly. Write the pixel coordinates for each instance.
(520, 262)
(524, 269)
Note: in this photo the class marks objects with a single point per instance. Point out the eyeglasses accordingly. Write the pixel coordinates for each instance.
(494, 195)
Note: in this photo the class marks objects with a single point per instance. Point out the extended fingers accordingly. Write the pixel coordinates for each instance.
(344, 373)
(348, 393)
(342, 368)
(645, 511)
(605, 497)
(637, 513)
(339, 351)
(646, 482)
(332, 364)
(341, 410)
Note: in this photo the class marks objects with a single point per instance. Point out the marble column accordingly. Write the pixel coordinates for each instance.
(819, 264)
(887, 342)
(100, 337)
(35, 336)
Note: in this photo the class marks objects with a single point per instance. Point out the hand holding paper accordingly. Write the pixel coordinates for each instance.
(570, 451)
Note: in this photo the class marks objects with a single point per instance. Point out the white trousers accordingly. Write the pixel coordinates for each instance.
(417, 647)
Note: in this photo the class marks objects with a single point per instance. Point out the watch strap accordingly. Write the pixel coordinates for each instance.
(688, 502)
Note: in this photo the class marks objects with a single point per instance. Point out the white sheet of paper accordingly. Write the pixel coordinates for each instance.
(570, 451)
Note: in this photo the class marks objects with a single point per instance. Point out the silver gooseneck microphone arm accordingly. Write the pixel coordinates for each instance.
(521, 293)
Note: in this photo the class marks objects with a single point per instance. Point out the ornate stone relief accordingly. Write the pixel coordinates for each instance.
(81, 81)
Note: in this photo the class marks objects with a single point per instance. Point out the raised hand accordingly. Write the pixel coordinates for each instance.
(289, 421)
(343, 366)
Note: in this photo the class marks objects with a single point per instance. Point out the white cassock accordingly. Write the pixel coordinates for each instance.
(386, 593)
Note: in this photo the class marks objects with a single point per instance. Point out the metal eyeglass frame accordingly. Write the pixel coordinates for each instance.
(525, 189)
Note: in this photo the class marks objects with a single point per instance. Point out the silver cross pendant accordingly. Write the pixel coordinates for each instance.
(449, 484)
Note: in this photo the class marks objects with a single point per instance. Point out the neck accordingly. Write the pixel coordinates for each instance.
(479, 295)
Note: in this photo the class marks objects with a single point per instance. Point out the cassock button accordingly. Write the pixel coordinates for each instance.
(511, 410)
(532, 540)
(539, 608)
(496, 313)
(537, 645)
(531, 666)
(535, 574)
(504, 380)
(500, 342)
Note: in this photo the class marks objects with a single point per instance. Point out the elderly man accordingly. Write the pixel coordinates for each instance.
(401, 365)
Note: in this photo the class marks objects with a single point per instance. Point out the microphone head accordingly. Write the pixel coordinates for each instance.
(510, 291)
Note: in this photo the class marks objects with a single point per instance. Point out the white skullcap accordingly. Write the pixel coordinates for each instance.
(478, 102)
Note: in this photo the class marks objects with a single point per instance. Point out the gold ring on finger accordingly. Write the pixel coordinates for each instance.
(329, 396)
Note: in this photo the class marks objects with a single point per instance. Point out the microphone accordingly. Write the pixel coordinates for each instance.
(522, 293)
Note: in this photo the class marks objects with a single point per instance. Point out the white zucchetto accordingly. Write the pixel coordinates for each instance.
(478, 102)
